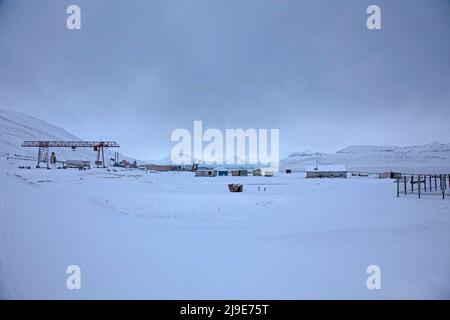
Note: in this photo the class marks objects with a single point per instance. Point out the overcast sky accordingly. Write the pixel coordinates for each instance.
(137, 70)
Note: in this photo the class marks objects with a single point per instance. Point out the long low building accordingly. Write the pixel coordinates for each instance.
(157, 167)
(390, 175)
(326, 171)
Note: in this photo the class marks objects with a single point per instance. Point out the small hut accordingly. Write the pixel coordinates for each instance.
(243, 172)
(222, 172)
(268, 173)
(257, 172)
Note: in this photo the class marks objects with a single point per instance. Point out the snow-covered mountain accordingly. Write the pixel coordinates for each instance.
(16, 127)
(430, 155)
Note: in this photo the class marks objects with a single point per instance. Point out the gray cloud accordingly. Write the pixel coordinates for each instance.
(139, 69)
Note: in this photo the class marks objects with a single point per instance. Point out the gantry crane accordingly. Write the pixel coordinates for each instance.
(44, 146)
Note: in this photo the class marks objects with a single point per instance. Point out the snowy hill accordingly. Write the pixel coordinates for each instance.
(432, 155)
(16, 127)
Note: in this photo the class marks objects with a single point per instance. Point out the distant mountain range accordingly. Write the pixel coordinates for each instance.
(434, 154)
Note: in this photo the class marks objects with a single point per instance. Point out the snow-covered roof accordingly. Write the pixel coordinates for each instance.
(327, 168)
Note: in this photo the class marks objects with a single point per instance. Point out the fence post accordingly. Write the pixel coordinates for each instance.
(418, 186)
(404, 184)
(398, 188)
(435, 183)
(443, 187)
(425, 183)
(412, 183)
(431, 187)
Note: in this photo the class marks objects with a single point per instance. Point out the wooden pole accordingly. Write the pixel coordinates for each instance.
(398, 188)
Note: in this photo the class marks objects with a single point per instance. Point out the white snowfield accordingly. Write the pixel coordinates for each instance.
(143, 235)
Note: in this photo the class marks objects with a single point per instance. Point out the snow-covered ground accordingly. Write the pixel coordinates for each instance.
(138, 234)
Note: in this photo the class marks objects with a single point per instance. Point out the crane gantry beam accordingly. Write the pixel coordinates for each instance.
(44, 145)
(71, 144)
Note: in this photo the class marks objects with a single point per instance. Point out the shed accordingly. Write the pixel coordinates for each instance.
(235, 173)
(222, 172)
(257, 172)
(243, 172)
(268, 173)
(326, 171)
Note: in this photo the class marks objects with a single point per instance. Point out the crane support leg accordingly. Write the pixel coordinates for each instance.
(42, 156)
(100, 155)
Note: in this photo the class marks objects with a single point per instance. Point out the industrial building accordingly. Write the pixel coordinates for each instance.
(326, 171)
(77, 164)
(390, 175)
(157, 167)
(205, 173)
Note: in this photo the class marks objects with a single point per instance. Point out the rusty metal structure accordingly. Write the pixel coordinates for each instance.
(44, 146)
